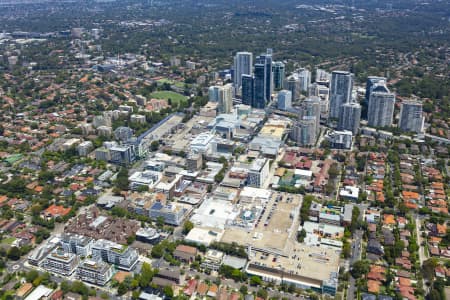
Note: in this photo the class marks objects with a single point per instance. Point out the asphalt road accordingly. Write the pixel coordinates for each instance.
(356, 246)
(355, 256)
(422, 256)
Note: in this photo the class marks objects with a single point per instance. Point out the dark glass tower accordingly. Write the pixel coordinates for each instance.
(248, 89)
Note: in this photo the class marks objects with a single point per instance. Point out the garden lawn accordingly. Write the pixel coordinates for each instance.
(175, 97)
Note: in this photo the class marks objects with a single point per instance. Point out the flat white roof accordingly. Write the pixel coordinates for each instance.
(39, 292)
(349, 191)
(252, 192)
(214, 213)
(204, 236)
(305, 173)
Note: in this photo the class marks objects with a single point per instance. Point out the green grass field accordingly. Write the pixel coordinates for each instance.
(176, 98)
(165, 80)
(8, 241)
(176, 83)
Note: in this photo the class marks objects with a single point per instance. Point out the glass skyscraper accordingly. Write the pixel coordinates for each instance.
(278, 69)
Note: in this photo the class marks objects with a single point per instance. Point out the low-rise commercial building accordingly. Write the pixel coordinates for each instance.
(166, 277)
(258, 172)
(148, 235)
(185, 253)
(212, 260)
(171, 213)
(144, 179)
(311, 267)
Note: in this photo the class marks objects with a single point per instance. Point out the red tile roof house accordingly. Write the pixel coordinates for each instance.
(377, 273)
(212, 292)
(440, 271)
(202, 288)
(55, 211)
(234, 296)
(190, 287)
(403, 262)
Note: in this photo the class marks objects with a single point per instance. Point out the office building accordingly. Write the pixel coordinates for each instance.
(212, 260)
(381, 109)
(243, 64)
(61, 262)
(248, 89)
(304, 132)
(148, 235)
(349, 117)
(77, 244)
(147, 179)
(122, 155)
(278, 70)
(123, 257)
(411, 116)
(171, 213)
(258, 172)
(340, 91)
(269, 75)
(341, 139)
(202, 143)
(194, 161)
(154, 165)
(225, 99)
(263, 79)
(311, 108)
(292, 83)
(168, 184)
(284, 100)
(259, 98)
(96, 272)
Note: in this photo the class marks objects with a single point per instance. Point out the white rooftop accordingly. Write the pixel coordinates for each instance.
(204, 236)
(39, 292)
(214, 213)
(251, 192)
(349, 192)
(202, 139)
(303, 173)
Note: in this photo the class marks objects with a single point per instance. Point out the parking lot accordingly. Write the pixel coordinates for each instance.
(275, 228)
